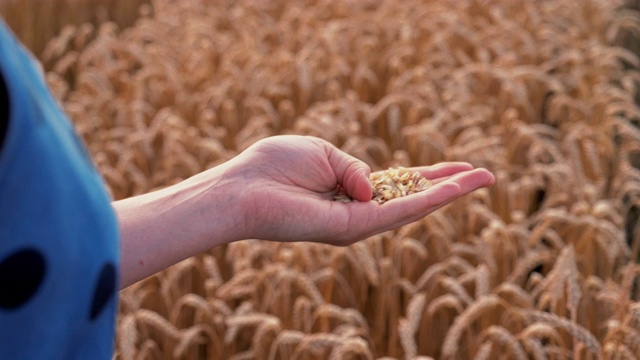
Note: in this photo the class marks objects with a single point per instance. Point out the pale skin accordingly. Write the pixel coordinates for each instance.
(280, 189)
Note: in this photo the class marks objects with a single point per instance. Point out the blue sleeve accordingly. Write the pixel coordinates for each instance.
(58, 232)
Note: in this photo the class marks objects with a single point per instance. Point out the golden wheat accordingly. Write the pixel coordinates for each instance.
(540, 93)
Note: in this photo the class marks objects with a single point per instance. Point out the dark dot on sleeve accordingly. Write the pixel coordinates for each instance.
(21, 274)
(105, 289)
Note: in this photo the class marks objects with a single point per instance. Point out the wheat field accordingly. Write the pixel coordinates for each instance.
(543, 93)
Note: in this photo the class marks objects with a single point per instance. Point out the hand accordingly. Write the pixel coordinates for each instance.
(289, 181)
(280, 189)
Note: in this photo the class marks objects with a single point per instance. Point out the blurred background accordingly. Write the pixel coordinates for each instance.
(544, 265)
(36, 21)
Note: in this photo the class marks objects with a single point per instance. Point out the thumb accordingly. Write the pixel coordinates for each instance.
(352, 174)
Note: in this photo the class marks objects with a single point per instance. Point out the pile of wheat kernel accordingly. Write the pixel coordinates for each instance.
(392, 184)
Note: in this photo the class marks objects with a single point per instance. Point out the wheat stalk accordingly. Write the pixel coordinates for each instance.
(484, 352)
(409, 326)
(461, 322)
(127, 337)
(577, 331)
(354, 347)
(503, 336)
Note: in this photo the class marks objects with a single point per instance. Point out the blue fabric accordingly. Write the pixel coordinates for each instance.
(58, 232)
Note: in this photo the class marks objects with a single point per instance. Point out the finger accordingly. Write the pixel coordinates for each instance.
(442, 169)
(446, 191)
(352, 174)
(474, 179)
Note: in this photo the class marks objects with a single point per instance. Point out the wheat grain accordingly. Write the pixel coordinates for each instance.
(391, 184)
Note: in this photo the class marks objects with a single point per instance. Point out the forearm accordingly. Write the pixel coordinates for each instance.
(161, 228)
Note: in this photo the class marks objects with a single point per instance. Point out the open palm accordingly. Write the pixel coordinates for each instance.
(289, 181)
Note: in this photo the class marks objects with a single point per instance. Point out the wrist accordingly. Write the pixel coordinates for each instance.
(206, 209)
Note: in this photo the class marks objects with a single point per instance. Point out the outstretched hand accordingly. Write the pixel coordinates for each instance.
(289, 182)
(279, 189)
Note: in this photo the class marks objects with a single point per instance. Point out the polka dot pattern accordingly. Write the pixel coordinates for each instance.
(105, 289)
(21, 275)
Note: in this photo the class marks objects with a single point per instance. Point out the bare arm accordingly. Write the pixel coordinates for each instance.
(161, 228)
(279, 189)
